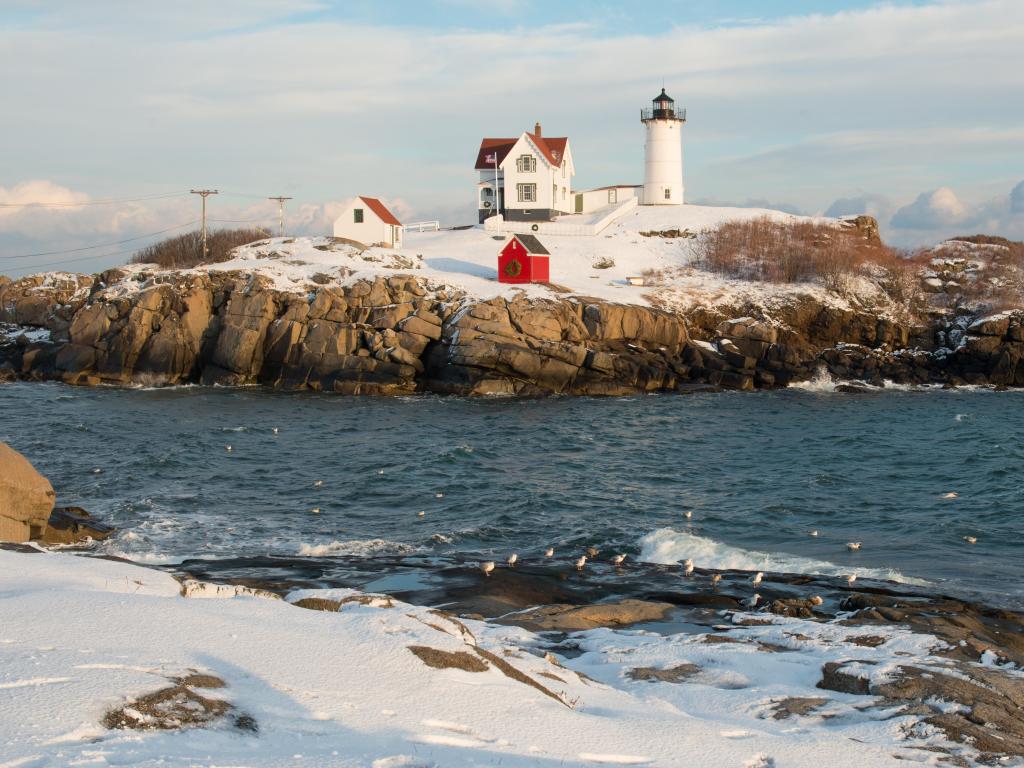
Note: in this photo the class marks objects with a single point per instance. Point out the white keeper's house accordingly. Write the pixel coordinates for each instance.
(529, 178)
(525, 179)
(368, 221)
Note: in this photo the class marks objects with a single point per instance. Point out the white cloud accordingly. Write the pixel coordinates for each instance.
(878, 206)
(236, 94)
(1017, 199)
(937, 209)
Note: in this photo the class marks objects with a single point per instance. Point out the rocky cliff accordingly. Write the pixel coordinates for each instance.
(400, 334)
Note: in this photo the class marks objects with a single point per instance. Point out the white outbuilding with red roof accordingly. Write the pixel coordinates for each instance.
(368, 221)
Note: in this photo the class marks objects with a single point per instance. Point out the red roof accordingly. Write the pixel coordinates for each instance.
(553, 148)
(488, 148)
(381, 210)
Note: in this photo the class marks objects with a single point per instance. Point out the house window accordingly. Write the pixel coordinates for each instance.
(554, 193)
(563, 194)
(668, 193)
(611, 195)
(526, 164)
(563, 169)
(357, 216)
(527, 193)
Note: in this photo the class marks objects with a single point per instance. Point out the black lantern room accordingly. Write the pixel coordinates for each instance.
(664, 106)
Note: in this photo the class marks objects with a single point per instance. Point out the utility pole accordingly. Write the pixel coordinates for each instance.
(280, 212)
(204, 193)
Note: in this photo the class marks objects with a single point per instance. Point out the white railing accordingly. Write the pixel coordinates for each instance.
(422, 226)
(557, 227)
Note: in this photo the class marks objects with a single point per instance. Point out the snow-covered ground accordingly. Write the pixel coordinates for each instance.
(466, 261)
(81, 636)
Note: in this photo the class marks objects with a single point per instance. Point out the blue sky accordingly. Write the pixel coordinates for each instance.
(911, 111)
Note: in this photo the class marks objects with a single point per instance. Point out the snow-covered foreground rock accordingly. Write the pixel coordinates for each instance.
(386, 684)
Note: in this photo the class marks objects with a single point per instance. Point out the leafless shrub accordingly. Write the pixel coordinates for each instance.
(185, 251)
(803, 251)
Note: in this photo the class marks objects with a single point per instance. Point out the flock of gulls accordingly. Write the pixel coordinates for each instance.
(687, 566)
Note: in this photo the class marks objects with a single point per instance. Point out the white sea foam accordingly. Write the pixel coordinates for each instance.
(666, 546)
(358, 547)
(822, 382)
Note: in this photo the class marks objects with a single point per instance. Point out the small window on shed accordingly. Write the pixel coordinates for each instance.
(357, 216)
(668, 193)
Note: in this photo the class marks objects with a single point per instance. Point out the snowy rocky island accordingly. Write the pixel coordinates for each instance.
(661, 300)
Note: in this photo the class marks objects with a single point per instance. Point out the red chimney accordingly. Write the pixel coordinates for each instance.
(536, 130)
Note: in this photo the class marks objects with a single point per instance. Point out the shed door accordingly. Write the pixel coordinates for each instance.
(579, 203)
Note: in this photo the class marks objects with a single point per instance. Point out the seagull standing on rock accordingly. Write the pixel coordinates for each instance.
(751, 602)
(549, 552)
(816, 600)
(688, 567)
(581, 562)
(512, 560)
(618, 559)
(715, 578)
(688, 515)
(487, 567)
(757, 578)
(593, 552)
(851, 578)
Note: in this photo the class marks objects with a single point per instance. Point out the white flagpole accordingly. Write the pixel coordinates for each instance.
(497, 193)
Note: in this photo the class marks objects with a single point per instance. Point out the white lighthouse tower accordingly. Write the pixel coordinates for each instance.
(663, 152)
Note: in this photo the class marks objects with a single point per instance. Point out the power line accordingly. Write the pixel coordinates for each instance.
(80, 258)
(243, 194)
(110, 201)
(100, 245)
(240, 221)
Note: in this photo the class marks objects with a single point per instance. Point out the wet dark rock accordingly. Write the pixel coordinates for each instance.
(73, 525)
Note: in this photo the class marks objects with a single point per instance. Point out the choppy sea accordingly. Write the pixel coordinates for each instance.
(368, 482)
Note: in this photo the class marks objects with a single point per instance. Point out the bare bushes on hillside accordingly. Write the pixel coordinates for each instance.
(988, 278)
(1014, 248)
(795, 252)
(185, 251)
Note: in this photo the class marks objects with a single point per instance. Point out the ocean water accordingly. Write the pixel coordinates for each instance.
(437, 480)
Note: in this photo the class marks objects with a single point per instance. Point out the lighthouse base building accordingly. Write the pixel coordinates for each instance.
(525, 183)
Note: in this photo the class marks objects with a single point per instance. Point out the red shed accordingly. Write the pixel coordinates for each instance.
(523, 260)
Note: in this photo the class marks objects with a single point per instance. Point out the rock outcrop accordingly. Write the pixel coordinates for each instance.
(26, 498)
(398, 334)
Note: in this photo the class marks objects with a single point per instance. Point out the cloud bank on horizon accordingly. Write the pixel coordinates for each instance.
(909, 111)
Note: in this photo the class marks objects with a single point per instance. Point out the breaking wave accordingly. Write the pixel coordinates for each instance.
(666, 546)
(356, 547)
